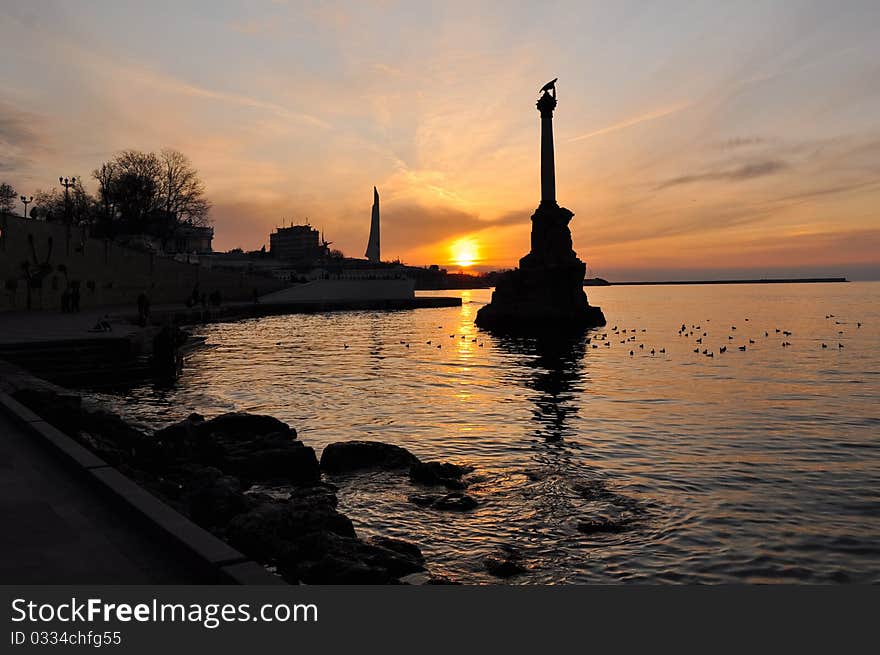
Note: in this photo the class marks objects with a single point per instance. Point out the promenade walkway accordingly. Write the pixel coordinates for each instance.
(23, 327)
(59, 529)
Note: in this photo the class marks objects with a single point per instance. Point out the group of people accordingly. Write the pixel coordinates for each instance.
(215, 298)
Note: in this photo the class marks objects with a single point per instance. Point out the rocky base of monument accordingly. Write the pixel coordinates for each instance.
(535, 300)
(546, 293)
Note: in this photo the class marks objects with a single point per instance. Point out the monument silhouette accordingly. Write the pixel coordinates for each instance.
(373, 253)
(546, 292)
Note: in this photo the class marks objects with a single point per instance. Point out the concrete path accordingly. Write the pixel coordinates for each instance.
(35, 327)
(22, 327)
(59, 529)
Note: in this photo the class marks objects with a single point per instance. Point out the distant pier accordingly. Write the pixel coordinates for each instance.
(599, 282)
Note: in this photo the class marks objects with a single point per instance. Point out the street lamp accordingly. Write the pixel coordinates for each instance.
(67, 183)
(26, 201)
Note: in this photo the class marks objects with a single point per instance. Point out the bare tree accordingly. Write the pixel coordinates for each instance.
(105, 176)
(181, 189)
(135, 186)
(77, 205)
(48, 205)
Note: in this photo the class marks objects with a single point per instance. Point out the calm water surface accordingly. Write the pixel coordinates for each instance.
(754, 466)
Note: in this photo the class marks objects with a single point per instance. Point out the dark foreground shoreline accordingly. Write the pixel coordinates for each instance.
(225, 474)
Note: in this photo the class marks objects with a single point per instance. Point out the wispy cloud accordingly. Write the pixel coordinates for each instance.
(176, 86)
(630, 122)
(307, 105)
(737, 174)
(742, 142)
(20, 138)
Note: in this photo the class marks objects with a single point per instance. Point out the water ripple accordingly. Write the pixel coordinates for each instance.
(754, 466)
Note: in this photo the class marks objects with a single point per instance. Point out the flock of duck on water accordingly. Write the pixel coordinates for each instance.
(700, 332)
(683, 331)
(432, 342)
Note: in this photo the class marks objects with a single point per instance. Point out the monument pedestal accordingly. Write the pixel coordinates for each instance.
(546, 292)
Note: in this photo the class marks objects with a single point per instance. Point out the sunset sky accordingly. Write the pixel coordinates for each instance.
(692, 139)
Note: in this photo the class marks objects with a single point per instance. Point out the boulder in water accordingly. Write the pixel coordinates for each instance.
(452, 501)
(507, 563)
(309, 541)
(348, 456)
(439, 473)
(601, 525)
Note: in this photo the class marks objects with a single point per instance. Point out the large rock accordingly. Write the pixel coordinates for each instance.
(506, 563)
(211, 498)
(309, 541)
(503, 567)
(250, 446)
(439, 473)
(400, 547)
(277, 530)
(348, 456)
(343, 560)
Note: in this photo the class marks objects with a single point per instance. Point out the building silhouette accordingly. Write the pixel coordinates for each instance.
(297, 243)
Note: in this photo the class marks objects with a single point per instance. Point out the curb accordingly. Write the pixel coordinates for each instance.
(229, 565)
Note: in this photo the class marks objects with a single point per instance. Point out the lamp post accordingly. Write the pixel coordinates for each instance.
(26, 201)
(67, 183)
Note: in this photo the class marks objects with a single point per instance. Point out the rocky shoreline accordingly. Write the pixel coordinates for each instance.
(212, 471)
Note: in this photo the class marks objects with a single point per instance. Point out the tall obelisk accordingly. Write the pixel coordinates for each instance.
(546, 292)
(373, 244)
(546, 105)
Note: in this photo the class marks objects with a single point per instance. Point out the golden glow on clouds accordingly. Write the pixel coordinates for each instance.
(755, 147)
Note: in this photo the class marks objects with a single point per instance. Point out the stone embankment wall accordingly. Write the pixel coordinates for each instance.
(39, 260)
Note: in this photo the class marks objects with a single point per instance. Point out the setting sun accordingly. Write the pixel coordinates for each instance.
(464, 252)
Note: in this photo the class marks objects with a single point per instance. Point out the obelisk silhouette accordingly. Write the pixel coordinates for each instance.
(373, 244)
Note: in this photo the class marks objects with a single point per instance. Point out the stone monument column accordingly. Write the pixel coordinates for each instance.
(546, 105)
(546, 292)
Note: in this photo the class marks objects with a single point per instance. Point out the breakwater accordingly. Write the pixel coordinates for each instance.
(791, 280)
